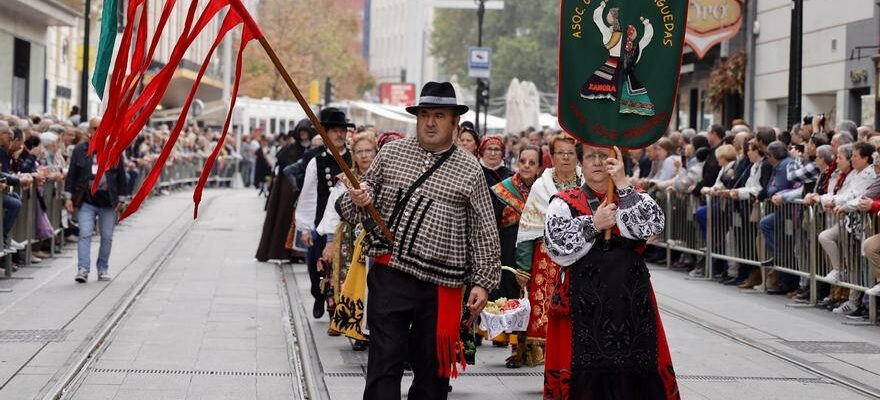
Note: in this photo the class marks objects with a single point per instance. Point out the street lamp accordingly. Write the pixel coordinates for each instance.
(795, 62)
(876, 59)
(84, 78)
(481, 11)
(481, 6)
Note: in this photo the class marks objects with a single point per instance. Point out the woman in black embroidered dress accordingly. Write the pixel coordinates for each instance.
(604, 337)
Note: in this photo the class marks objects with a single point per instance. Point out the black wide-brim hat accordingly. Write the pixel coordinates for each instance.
(332, 116)
(438, 95)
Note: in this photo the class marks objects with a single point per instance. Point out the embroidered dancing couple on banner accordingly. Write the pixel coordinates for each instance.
(615, 79)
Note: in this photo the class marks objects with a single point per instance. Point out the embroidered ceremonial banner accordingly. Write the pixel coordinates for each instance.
(619, 62)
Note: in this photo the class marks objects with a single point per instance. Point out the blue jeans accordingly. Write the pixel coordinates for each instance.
(11, 207)
(107, 219)
(768, 227)
(700, 216)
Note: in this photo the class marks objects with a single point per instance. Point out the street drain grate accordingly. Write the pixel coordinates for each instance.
(408, 373)
(187, 372)
(712, 378)
(33, 336)
(698, 378)
(817, 347)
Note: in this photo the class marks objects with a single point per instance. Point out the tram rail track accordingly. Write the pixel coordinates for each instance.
(67, 381)
(850, 384)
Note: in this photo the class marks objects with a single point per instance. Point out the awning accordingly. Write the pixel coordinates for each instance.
(44, 12)
(383, 111)
(549, 121)
(494, 125)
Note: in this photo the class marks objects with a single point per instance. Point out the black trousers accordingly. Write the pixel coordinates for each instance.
(312, 256)
(403, 327)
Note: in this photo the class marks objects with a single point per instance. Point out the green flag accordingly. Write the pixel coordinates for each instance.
(104, 58)
(619, 63)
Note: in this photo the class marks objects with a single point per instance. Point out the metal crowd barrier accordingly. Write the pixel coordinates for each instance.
(184, 172)
(187, 170)
(682, 233)
(734, 234)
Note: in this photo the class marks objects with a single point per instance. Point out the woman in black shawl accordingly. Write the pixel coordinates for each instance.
(282, 197)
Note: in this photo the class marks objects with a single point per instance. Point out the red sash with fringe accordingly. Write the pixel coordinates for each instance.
(450, 350)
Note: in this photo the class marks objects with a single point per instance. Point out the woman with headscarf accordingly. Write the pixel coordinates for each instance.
(605, 339)
(532, 259)
(282, 197)
(509, 200)
(468, 138)
(491, 153)
(347, 282)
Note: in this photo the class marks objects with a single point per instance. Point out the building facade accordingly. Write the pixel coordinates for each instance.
(839, 39)
(719, 33)
(399, 47)
(211, 87)
(24, 42)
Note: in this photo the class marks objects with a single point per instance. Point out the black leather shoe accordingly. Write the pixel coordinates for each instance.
(731, 281)
(359, 345)
(777, 291)
(318, 309)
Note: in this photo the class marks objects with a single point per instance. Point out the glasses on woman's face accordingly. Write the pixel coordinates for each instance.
(528, 163)
(492, 150)
(565, 154)
(365, 152)
(597, 157)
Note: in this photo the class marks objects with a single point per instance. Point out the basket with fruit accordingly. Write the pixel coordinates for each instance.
(505, 315)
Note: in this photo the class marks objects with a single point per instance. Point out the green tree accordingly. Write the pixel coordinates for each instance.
(315, 40)
(524, 38)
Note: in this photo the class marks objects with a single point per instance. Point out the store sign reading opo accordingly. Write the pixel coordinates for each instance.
(711, 22)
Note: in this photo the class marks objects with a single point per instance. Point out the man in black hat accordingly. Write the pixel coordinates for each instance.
(321, 167)
(434, 198)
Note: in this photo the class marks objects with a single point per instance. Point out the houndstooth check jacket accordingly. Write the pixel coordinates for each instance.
(446, 234)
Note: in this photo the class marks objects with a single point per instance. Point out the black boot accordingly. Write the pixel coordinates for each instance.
(318, 309)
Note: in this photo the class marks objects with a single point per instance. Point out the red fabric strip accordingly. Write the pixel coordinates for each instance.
(246, 36)
(232, 20)
(450, 350)
(138, 113)
(384, 259)
(246, 16)
(111, 122)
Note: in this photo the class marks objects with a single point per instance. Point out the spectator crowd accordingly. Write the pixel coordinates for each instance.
(35, 153)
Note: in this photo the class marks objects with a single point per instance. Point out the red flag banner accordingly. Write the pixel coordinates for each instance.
(127, 112)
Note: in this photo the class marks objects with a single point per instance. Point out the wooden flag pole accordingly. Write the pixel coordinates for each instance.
(609, 195)
(329, 144)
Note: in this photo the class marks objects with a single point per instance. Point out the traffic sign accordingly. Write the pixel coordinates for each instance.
(479, 62)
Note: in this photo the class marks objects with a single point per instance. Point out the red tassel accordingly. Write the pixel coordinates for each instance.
(450, 350)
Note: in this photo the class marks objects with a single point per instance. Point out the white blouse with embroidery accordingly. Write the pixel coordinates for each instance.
(569, 238)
